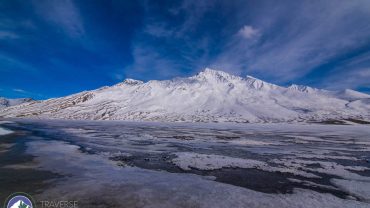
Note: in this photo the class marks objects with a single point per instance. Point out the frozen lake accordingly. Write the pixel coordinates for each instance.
(135, 164)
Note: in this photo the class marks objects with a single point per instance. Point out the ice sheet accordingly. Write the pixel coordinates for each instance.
(102, 185)
(201, 165)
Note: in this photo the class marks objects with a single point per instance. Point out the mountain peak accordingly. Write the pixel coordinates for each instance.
(129, 82)
(211, 74)
(132, 81)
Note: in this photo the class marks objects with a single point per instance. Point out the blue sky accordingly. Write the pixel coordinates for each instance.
(51, 48)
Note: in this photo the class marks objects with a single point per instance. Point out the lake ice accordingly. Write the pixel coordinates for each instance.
(142, 164)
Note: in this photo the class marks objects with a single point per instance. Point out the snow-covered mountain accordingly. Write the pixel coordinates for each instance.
(5, 102)
(209, 96)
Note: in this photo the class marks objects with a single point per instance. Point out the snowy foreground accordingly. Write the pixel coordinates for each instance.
(210, 96)
(129, 164)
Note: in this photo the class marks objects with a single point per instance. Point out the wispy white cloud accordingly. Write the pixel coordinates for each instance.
(24, 93)
(353, 73)
(118, 76)
(158, 30)
(6, 35)
(13, 30)
(258, 38)
(319, 32)
(148, 61)
(10, 63)
(348, 79)
(174, 48)
(63, 14)
(20, 90)
(248, 32)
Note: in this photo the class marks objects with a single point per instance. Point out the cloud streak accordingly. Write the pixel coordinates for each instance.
(63, 14)
(257, 38)
(248, 32)
(318, 33)
(8, 35)
(19, 90)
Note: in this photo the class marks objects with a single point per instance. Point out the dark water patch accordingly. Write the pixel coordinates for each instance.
(182, 137)
(313, 165)
(358, 121)
(86, 150)
(181, 147)
(28, 180)
(332, 122)
(254, 179)
(142, 143)
(227, 137)
(359, 162)
(270, 182)
(236, 152)
(149, 161)
(16, 153)
(365, 173)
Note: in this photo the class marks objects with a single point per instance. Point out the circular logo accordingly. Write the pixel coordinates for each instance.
(19, 200)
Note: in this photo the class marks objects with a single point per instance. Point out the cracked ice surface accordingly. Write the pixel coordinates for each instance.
(129, 164)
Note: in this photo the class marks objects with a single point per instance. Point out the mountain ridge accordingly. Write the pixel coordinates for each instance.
(6, 102)
(209, 96)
